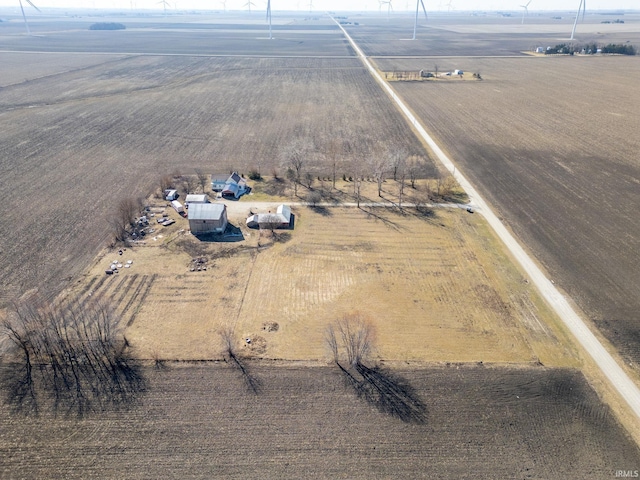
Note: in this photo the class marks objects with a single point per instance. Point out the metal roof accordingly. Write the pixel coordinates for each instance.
(206, 211)
(196, 198)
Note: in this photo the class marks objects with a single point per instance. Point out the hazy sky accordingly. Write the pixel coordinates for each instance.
(322, 5)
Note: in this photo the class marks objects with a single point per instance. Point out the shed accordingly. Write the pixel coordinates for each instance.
(207, 218)
(193, 198)
(280, 219)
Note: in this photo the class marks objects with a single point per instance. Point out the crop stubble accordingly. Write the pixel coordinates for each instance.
(74, 142)
(198, 421)
(552, 144)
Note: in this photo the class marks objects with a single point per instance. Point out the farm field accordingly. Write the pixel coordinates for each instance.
(461, 34)
(448, 294)
(197, 421)
(561, 168)
(75, 141)
(221, 34)
(505, 392)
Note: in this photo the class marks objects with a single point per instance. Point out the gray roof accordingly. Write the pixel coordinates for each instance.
(196, 198)
(206, 211)
(220, 177)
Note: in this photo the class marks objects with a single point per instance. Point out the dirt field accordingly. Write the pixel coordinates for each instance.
(198, 422)
(77, 139)
(569, 194)
(461, 34)
(221, 34)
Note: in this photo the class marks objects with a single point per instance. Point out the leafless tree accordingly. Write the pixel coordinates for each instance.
(124, 216)
(203, 179)
(308, 180)
(397, 160)
(415, 166)
(379, 162)
(294, 158)
(165, 182)
(350, 339)
(313, 198)
(401, 174)
(189, 183)
(77, 352)
(227, 334)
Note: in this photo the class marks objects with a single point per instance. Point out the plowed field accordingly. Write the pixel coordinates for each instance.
(552, 144)
(76, 140)
(199, 422)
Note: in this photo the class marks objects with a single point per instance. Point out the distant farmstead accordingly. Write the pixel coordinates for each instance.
(280, 219)
(207, 218)
(229, 185)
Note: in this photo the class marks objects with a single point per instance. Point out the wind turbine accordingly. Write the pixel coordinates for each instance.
(164, 4)
(583, 7)
(449, 6)
(526, 10)
(389, 7)
(310, 5)
(224, 5)
(415, 23)
(26, 24)
(248, 4)
(269, 17)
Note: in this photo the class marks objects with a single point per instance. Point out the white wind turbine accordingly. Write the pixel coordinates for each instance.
(583, 7)
(269, 17)
(164, 4)
(224, 5)
(248, 5)
(24, 17)
(415, 23)
(389, 7)
(526, 10)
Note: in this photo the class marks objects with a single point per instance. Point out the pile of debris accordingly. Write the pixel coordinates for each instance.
(116, 266)
(198, 264)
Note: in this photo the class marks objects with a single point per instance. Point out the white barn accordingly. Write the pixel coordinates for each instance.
(207, 218)
(280, 219)
(193, 198)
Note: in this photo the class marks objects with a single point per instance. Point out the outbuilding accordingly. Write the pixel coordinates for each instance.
(193, 198)
(280, 219)
(207, 218)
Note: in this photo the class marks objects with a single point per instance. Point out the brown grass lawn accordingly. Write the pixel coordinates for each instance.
(436, 288)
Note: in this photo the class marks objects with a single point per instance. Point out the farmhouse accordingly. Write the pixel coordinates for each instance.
(207, 218)
(229, 185)
(280, 219)
(192, 198)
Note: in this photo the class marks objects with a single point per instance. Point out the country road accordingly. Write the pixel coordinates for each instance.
(625, 386)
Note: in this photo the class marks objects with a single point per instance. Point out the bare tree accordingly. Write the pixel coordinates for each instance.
(79, 351)
(124, 217)
(401, 173)
(165, 182)
(397, 160)
(231, 356)
(294, 157)
(189, 183)
(350, 339)
(203, 179)
(379, 162)
(313, 198)
(415, 166)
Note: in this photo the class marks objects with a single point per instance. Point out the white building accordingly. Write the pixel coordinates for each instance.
(280, 219)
